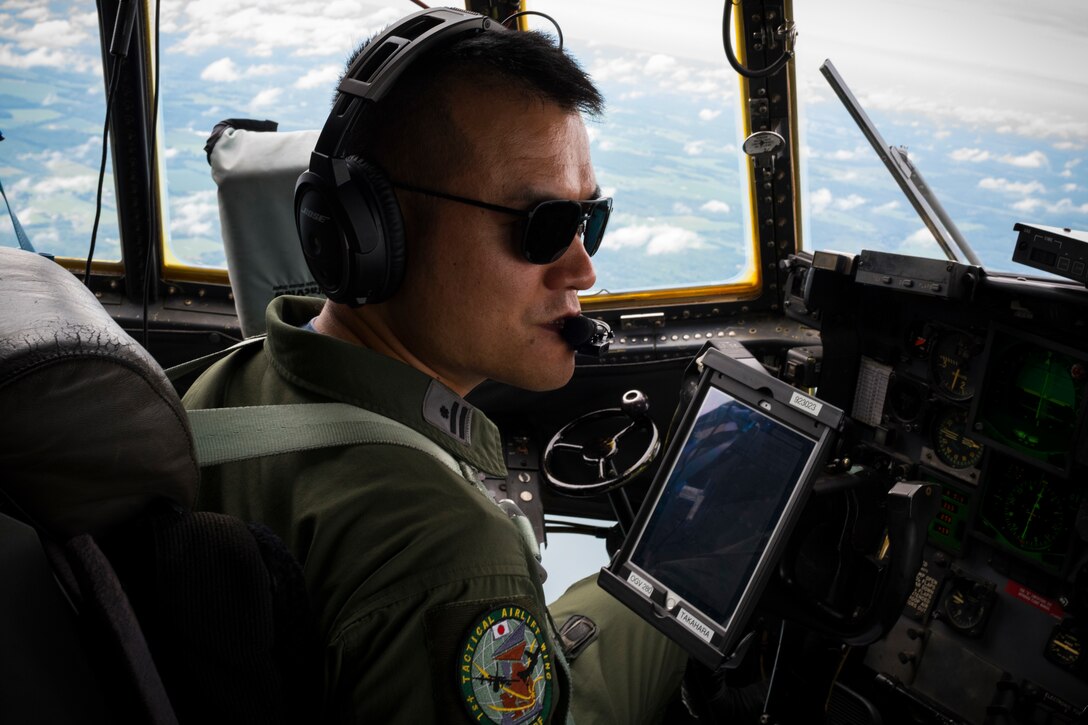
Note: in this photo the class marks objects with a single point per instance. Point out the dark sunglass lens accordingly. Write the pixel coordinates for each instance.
(598, 220)
(550, 230)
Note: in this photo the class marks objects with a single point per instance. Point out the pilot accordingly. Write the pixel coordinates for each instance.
(428, 598)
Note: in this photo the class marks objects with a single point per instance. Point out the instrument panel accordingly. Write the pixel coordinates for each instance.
(977, 384)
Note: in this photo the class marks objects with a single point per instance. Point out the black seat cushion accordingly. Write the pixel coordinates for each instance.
(91, 430)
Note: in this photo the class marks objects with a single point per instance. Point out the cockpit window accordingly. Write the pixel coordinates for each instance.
(987, 97)
(667, 148)
(52, 112)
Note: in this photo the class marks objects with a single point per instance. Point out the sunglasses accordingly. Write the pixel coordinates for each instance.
(550, 225)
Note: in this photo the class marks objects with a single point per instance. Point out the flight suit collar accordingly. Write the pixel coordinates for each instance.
(357, 375)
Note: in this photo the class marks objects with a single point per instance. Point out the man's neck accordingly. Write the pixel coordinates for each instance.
(368, 328)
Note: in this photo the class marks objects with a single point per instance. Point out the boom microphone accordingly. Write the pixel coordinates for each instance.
(587, 336)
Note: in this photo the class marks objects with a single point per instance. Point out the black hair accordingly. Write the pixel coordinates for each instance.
(412, 135)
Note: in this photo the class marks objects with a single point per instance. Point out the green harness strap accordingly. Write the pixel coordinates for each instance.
(225, 435)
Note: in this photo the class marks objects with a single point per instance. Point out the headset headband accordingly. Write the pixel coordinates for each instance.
(346, 212)
(375, 72)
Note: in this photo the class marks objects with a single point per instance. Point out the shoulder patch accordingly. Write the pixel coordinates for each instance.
(505, 672)
(502, 670)
(447, 411)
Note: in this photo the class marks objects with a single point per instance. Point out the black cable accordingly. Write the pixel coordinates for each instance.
(570, 527)
(152, 178)
(778, 65)
(115, 71)
(550, 19)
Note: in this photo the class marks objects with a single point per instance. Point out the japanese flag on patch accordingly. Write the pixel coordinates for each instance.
(501, 629)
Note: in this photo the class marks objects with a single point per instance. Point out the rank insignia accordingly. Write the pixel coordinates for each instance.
(505, 668)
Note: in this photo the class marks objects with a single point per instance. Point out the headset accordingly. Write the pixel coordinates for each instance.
(346, 213)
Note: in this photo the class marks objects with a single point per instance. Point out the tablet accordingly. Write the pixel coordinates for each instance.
(728, 493)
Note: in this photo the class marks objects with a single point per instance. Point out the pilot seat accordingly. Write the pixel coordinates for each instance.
(118, 602)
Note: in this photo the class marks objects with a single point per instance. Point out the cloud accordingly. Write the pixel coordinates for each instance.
(225, 70)
(681, 208)
(885, 208)
(819, 200)
(1028, 205)
(715, 206)
(38, 37)
(623, 70)
(1065, 206)
(659, 64)
(973, 155)
(654, 239)
(79, 184)
(43, 58)
(300, 29)
(921, 244)
(53, 34)
(1062, 206)
(194, 215)
(325, 77)
(663, 74)
(708, 114)
(1031, 160)
(1011, 187)
(822, 199)
(264, 99)
(843, 154)
(221, 71)
(694, 148)
(1070, 187)
(849, 202)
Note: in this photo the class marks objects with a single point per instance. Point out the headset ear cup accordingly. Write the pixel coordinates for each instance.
(376, 185)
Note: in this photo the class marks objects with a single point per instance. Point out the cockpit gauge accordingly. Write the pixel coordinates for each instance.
(950, 361)
(966, 604)
(763, 142)
(906, 399)
(951, 443)
(1065, 647)
(1027, 507)
(1033, 399)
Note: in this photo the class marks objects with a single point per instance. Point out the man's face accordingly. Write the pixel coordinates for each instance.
(471, 307)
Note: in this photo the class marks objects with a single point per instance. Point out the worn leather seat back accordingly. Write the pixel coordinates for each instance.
(117, 602)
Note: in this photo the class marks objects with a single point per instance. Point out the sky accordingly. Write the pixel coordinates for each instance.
(986, 96)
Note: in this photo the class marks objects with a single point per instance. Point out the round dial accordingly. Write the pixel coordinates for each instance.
(1032, 511)
(763, 142)
(966, 604)
(1064, 647)
(950, 442)
(905, 399)
(950, 362)
(1035, 400)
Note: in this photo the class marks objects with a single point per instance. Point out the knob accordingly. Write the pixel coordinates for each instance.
(635, 404)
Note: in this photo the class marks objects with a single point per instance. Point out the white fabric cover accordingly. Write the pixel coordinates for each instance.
(256, 173)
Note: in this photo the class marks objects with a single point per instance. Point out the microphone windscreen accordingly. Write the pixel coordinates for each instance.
(578, 330)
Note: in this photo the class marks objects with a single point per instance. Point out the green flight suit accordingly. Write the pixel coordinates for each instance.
(428, 598)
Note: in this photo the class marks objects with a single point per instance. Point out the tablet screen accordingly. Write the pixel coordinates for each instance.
(723, 498)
